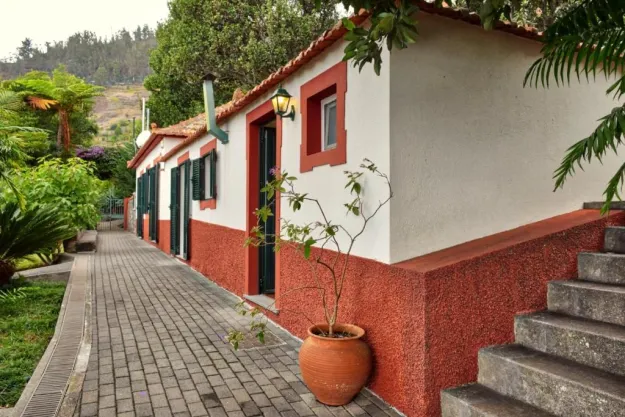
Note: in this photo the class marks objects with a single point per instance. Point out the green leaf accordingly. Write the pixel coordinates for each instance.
(307, 247)
(348, 24)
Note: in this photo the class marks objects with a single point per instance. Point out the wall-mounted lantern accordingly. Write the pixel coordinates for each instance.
(209, 107)
(281, 101)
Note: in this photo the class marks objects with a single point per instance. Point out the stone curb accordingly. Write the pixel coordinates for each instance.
(73, 393)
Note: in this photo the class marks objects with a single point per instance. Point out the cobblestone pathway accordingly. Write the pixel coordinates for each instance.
(158, 349)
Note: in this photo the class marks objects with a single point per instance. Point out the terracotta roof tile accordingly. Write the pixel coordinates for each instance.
(464, 15)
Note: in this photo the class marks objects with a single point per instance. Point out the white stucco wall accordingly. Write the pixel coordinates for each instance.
(165, 145)
(472, 151)
(367, 125)
(230, 211)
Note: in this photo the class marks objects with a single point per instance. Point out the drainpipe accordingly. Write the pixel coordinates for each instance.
(143, 114)
(209, 108)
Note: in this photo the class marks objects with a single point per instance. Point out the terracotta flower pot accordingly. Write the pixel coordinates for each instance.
(335, 369)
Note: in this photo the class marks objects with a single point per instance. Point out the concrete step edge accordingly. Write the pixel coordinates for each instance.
(593, 343)
(563, 370)
(478, 400)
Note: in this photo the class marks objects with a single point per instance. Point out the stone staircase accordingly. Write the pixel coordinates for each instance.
(568, 361)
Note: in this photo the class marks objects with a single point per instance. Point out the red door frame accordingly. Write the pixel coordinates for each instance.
(254, 120)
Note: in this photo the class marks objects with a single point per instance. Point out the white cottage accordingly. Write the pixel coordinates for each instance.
(473, 233)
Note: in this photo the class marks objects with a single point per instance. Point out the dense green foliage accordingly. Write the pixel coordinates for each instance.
(121, 59)
(70, 186)
(16, 139)
(26, 326)
(239, 42)
(111, 165)
(587, 39)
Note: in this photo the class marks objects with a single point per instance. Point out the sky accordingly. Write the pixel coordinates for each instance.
(45, 20)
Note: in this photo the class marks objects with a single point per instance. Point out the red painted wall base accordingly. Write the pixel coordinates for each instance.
(425, 318)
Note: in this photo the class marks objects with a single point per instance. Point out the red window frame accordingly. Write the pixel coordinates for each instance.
(332, 81)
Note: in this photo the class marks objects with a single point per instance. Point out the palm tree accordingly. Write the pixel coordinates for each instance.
(36, 230)
(587, 39)
(62, 92)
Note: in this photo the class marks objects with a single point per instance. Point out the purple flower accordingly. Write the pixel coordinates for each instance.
(274, 171)
(90, 154)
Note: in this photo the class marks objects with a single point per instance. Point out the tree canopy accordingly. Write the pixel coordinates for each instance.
(120, 59)
(239, 42)
(69, 98)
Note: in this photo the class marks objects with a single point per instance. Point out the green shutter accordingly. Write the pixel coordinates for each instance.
(173, 207)
(186, 212)
(140, 206)
(198, 190)
(213, 174)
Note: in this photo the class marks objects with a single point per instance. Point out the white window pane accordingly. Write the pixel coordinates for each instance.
(329, 128)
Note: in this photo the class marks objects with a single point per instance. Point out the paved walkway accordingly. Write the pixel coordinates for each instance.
(158, 347)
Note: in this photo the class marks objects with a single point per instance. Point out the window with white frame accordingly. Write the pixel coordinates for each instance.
(328, 122)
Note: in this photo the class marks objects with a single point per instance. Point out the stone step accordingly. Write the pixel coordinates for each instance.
(593, 343)
(476, 400)
(591, 300)
(608, 268)
(614, 240)
(556, 385)
(86, 241)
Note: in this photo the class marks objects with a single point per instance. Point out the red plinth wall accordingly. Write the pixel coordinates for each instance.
(218, 253)
(425, 318)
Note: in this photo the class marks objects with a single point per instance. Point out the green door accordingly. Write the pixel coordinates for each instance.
(142, 202)
(153, 203)
(174, 210)
(266, 254)
(186, 208)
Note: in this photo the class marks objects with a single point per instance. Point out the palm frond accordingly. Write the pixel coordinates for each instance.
(11, 149)
(587, 38)
(10, 102)
(614, 185)
(40, 103)
(31, 231)
(607, 136)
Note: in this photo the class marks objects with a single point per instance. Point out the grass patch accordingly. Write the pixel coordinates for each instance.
(26, 327)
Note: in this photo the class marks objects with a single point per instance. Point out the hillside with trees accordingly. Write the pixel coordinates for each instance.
(120, 59)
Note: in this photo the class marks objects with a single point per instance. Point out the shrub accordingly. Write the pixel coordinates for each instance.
(70, 186)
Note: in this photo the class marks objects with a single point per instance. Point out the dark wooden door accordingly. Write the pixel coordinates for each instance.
(266, 256)
(174, 210)
(186, 208)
